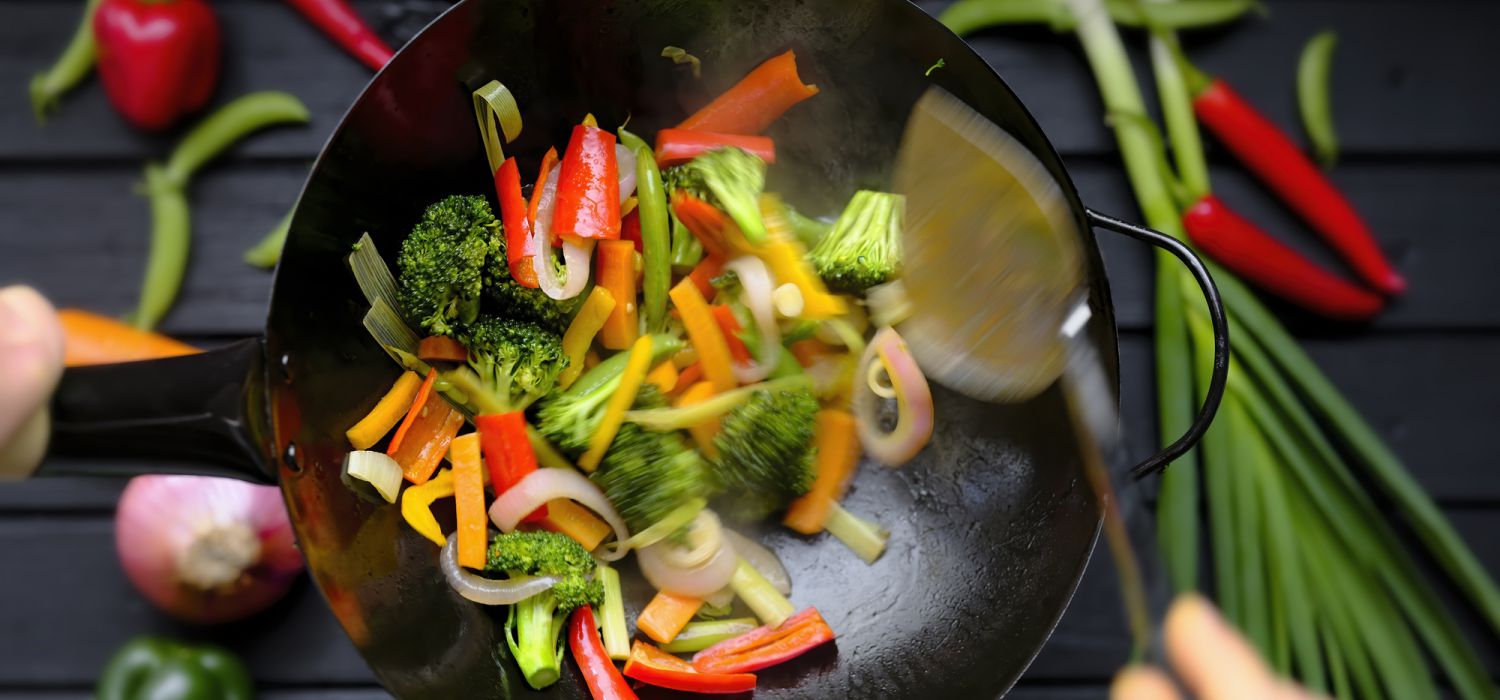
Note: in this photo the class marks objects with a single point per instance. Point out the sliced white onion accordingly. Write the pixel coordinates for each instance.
(764, 560)
(720, 598)
(699, 581)
(547, 207)
(542, 485)
(704, 539)
(576, 256)
(755, 280)
(879, 381)
(788, 300)
(376, 469)
(625, 163)
(914, 420)
(488, 591)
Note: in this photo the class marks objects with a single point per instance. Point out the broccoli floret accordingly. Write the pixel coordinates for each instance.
(568, 419)
(511, 300)
(648, 475)
(864, 247)
(730, 179)
(765, 451)
(533, 630)
(442, 262)
(517, 362)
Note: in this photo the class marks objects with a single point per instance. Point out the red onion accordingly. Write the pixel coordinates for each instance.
(205, 549)
(697, 572)
(914, 420)
(543, 485)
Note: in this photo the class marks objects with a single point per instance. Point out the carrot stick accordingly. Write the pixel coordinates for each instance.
(391, 408)
(416, 409)
(704, 273)
(703, 331)
(581, 332)
(730, 326)
(664, 377)
(838, 454)
(575, 521)
(616, 261)
(468, 500)
(666, 615)
(703, 433)
(91, 339)
(756, 101)
(427, 441)
(614, 412)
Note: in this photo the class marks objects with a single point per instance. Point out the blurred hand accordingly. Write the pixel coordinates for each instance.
(1212, 659)
(31, 359)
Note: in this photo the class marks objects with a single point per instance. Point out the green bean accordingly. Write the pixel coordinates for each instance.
(635, 143)
(71, 68)
(656, 242)
(1313, 100)
(967, 16)
(267, 252)
(229, 124)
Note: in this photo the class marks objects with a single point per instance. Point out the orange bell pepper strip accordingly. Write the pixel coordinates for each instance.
(760, 97)
(468, 500)
(507, 452)
(653, 666)
(675, 146)
(703, 433)
(704, 272)
(581, 331)
(416, 410)
(416, 506)
(837, 443)
(664, 377)
(617, 273)
(730, 326)
(91, 339)
(619, 402)
(426, 442)
(387, 412)
(575, 521)
(515, 215)
(588, 187)
(703, 331)
(666, 615)
(766, 646)
(688, 376)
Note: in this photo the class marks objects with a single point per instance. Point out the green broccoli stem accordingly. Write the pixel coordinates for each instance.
(665, 419)
(612, 615)
(533, 632)
(762, 598)
(865, 538)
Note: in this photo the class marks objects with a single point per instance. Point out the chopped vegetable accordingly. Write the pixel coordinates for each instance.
(789, 264)
(837, 456)
(704, 273)
(708, 226)
(534, 624)
(664, 377)
(545, 485)
(765, 451)
(755, 101)
(468, 500)
(703, 331)
(914, 421)
(1312, 95)
(619, 403)
(499, 119)
(763, 599)
(865, 538)
(390, 409)
(580, 334)
(676, 146)
(507, 452)
(442, 261)
(656, 243)
(513, 364)
(571, 418)
(376, 469)
(766, 646)
(426, 441)
(651, 476)
(418, 404)
(730, 327)
(864, 247)
(520, 245)
(612, 615)
(666, 615)
(441, 348)
(616, 272)
(91, 339)
(416, 505)
(680, 56)
(730, 179)
(703, 432)
(652, 666)
(549, 162)
(588, 187)
(575, 521)
(697, 636)
(599, 673)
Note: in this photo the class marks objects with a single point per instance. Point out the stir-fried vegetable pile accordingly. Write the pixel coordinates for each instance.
(643, 341)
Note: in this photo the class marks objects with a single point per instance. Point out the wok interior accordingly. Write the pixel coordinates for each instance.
(991, 525)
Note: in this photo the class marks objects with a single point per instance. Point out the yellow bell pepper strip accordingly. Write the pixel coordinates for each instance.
(468, 500)
(426, 443)
(703, 331)
(784, 254)
(580, 334)
(619, 403)
(575, 521)
(664, 377)
(416, 506)
(666, 615)
(616, 261)
(837, 444)
(703, 433)
(383, 417)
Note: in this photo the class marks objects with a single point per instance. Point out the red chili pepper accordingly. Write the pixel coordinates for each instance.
(588, 186)
(507, 453)
(604, 680)
(1265, 261)
(158, 59)
(766, 646)
(341, 23)
(630, 229)
(1272, 156)
(520, 248)
(675, 146)
(653, 666)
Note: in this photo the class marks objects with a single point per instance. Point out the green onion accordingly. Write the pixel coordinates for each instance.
(697, 636)
(1313, 100)
(498, 115)
(391, 332)
(372, 274)
(376, 469)
(865, 538)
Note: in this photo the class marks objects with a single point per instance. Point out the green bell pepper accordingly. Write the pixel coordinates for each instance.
(152, 668)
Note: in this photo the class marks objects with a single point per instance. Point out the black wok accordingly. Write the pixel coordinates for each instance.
(992, 525)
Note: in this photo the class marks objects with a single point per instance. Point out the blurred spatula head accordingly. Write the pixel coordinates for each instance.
(993, 266)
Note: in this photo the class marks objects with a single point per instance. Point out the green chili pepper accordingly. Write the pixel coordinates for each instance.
(267, 252)
(71, 68)
(151, 668)
(656, 244)
(1312, 95)
(166, 186)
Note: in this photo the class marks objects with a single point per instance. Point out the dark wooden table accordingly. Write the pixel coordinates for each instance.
(1417, 107)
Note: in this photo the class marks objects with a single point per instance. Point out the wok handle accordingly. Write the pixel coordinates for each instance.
(1216, 316)
(192, 414)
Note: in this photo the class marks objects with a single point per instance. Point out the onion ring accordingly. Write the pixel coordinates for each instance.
(914, 420)
(488, 591)
(542, 485)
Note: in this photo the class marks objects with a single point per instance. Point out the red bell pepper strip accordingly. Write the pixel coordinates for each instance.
(507, 453)
(520, 247)
(158, 60)
(653, 666)
(1279, 163)
(630, 229)
(731, 327)
(603, 679)
(757, 100)
(341, 23)
(766, 646)
(704, 221)
(1242, 247)
(675, 146)
(588, 186)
